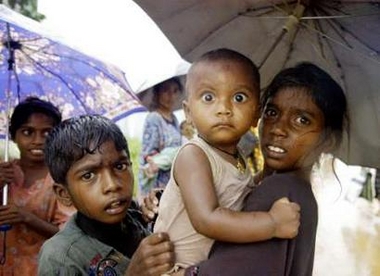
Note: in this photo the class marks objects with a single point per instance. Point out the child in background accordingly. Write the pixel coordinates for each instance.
(210, 178)
(304, 114)
(89, 160)
(32, 211)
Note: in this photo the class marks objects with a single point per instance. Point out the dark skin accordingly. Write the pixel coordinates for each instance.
(154, 256)
(30, 139)
(228, 93)
(100, 186)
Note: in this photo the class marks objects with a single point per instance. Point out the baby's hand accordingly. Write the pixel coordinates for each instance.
(286, 217)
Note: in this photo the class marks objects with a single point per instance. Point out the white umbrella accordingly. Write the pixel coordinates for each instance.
(120, 32)
(343, 37)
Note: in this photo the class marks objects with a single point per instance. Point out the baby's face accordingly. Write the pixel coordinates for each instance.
(101, 184)
(223, 101)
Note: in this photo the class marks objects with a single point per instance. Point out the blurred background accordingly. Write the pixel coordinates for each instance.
(348, 239)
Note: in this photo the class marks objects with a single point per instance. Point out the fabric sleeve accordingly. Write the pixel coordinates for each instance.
(151, 136)
(49, 268)
(287, 256)
(54, 260)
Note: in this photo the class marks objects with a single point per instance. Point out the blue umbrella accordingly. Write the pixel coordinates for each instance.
(36, 62)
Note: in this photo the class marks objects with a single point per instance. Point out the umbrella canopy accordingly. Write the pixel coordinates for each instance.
(36, 62)
(121, 33)
(342, 37)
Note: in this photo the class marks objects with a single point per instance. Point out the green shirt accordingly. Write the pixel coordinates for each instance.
(73, 252)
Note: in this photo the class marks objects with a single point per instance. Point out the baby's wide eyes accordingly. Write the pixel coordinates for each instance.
(240, 97)
(208, 97)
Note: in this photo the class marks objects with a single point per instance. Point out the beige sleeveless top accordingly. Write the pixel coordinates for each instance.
(231, 187)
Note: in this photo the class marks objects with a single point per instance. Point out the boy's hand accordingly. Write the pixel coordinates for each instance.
(286, 217)
(149, 206)
(154, 256)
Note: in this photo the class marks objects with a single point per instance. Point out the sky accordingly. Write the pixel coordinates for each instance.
(119, 32)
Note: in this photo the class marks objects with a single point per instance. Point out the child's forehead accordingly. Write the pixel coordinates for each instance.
(105, 153)
(219, 71)
(222, 63)
(215, 68)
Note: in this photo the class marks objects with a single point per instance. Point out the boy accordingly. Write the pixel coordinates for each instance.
(89, 160)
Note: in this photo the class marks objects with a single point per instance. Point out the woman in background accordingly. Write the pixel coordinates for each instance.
(161, 137)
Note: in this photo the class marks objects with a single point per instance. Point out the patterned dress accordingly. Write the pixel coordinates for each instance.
(22, 242)
(158, 134)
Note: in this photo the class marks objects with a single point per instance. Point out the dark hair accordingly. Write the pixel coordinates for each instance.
(29, 106)
(160, 87)
(224, 54)
(324, 90)
(72, 139)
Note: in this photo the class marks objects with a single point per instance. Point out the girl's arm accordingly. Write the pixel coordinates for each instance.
(12, 214)
(193, 174)
(41, 226)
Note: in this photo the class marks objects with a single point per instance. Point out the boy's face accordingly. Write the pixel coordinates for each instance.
(223, 101)
(290, 130)
(30, 137)
(101, 184)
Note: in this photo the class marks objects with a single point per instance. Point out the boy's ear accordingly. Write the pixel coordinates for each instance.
(62, 194)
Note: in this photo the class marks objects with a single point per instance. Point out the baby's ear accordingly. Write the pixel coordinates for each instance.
(186, 110)
(256, 118)
(62, 194)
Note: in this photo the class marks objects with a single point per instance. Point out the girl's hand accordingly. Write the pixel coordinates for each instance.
(6, 173)
(12, 214)
(286, 218)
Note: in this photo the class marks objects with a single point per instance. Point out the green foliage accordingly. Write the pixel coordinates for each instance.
(135, 148)
(25, 7)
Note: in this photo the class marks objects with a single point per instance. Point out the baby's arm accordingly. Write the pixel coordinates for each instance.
(193, 174)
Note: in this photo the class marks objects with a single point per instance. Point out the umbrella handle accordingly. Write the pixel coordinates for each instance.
(6, 227)
(7, 113)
